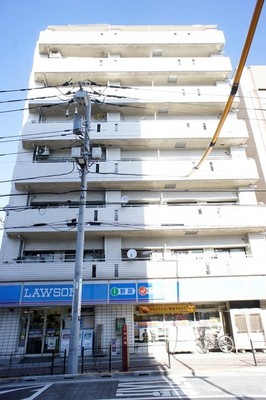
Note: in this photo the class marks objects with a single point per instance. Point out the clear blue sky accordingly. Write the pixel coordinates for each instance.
(22, 20)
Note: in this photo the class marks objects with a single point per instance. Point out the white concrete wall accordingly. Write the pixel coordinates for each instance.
(106, 315)
(9, 330)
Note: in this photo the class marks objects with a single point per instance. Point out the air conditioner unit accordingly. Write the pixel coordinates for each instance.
(42, 152)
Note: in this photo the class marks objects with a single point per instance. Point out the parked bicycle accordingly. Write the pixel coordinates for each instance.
(204, 342)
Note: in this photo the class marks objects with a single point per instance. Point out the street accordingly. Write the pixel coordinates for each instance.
(238, 386)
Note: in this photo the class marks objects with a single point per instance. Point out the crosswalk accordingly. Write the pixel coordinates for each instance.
(22, 392)
(154, 388)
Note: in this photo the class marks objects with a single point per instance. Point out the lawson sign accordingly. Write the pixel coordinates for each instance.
(40, 293)
(63, 294)
(92, 293)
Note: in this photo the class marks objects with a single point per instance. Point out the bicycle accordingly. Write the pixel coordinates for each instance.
(204, 343)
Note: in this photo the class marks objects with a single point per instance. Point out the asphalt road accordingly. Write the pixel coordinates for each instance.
(238, 386)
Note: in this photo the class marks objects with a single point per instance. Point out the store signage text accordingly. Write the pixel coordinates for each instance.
(166, 308)
(45, 292)
(122, 291)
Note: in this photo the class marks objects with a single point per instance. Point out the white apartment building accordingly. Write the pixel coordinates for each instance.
(166, 245)
(252, 108)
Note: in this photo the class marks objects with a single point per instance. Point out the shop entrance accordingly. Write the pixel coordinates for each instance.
(35, 333)
(158, 322)
(40, 331)
(155, 322)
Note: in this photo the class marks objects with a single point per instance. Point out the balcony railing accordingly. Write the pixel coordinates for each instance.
(193, 41)
(158, 133)
(155, 218)
(134, 269)
(144, 174)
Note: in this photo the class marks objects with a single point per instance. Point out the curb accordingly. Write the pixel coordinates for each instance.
(116, 375)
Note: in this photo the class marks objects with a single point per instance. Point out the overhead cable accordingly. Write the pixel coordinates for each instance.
(236, 81)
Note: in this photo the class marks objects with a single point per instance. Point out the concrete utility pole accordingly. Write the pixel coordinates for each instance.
(83, 104)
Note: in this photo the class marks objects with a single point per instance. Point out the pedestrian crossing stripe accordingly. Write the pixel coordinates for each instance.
(154, 388)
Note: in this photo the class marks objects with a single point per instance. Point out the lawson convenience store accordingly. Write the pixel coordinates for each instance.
(35, 315)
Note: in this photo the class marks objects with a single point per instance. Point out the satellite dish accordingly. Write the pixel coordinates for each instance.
(131, 254)
(124, 200)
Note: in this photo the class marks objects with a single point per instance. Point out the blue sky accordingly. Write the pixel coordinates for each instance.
(22, 20)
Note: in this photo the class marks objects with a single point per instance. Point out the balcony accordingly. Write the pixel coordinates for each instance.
(139, 175)
(140, 41)
(157, 134)
(61, 271)
(136, 71)
(154, 220)
(139, 102)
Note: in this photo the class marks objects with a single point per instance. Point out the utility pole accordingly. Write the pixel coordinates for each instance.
(83, 104)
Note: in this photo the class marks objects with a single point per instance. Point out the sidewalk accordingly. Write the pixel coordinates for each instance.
(217, 363)
(182, 364)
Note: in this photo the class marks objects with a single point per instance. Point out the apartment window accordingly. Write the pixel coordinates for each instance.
(208, 253)
(239, 252)
(144, 254)
(255, 323)
(38, 256)
(241, 323)
(67, 256)
(89, 255)
(187, 253)
(70, 256)
(94, 255)
(68, 203)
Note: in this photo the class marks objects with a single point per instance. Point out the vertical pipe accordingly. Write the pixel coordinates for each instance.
(110, 359)
(253, 352)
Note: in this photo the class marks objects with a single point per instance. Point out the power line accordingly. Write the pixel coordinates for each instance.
(179, 90)
(38, 177)
(36, 88)
(33, 98)
(38, 136)
(243, 58)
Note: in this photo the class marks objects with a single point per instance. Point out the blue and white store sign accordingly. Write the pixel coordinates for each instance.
(52, 293)
(158, 291)
(10, 295)
(122, 292)
(92, 293)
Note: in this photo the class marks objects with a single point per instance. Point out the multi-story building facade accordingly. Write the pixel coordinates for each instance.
(252, 92)
(165, 244)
